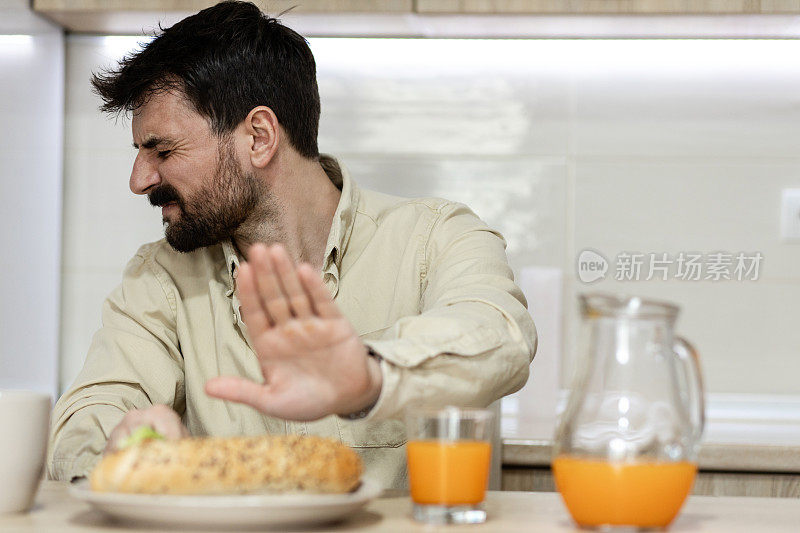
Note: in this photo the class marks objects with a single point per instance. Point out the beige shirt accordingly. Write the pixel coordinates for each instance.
(424, 282)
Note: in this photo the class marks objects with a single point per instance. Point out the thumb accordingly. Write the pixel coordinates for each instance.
(239, 390)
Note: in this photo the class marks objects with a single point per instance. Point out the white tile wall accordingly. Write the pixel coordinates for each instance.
(440, 97)
(104, 223)
(686, 98)
(523, 197)
(615, 145)
(31, 115)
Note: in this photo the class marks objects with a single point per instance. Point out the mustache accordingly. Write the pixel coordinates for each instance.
(163, 195)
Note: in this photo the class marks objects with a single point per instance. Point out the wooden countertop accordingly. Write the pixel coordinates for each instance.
(713, 457)
(764, 440)
(56, 511)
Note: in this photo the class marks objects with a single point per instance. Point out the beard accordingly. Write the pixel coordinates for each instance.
(216, 211)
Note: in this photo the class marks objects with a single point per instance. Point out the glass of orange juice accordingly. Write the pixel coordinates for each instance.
(449, 452)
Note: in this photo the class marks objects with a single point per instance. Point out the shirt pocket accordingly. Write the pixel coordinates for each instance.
(369, 434)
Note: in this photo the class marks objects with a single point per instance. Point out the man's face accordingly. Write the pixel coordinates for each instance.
(190, 173)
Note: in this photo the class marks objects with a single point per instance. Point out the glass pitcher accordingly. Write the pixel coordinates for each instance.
(626, 448)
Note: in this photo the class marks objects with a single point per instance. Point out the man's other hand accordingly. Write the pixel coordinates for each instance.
(160, 417)
(311, 358)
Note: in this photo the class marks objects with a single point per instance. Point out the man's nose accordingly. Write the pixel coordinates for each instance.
(144, 175)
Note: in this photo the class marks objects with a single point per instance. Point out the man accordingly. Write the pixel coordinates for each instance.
(354, 305)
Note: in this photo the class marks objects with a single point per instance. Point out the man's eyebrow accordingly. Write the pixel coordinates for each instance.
(152, 142)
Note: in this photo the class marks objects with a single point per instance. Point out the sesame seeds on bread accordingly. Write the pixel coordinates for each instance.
(216, 465)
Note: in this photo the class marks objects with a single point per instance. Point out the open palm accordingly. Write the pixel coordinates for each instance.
(312, 360)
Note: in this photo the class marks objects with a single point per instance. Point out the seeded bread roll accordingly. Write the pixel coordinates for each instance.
(230, 465)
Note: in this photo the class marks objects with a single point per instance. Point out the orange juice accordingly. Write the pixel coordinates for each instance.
(448, 472)
(641, 493)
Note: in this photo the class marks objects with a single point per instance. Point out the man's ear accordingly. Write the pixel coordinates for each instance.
(263, 131)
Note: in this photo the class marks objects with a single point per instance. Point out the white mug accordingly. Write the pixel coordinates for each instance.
(24, 424)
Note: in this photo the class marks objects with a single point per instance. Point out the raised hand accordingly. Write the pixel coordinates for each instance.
(312, 360)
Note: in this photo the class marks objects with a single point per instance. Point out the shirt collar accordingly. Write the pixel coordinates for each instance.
(231, 264)
(344, 216)
(341, 226)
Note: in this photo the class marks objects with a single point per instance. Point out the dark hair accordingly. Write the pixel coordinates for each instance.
(226, 60)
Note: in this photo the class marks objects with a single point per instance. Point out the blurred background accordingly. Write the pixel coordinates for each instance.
(637, 137)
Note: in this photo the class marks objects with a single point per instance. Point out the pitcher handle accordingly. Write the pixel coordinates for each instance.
(691, 362)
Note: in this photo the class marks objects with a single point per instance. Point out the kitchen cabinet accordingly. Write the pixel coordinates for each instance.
(273, 6)
(610, 7)
(132, 16)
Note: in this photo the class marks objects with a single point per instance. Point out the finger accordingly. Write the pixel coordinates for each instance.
(123, 430)
(269, 290)
(132, 420)
(165, 421)
(290, 284)
(320, 297)
(253, 313)
(119, 433)
(239, 390)
(168, 427)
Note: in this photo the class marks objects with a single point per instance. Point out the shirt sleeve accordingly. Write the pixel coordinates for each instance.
(474, 339)
(134, 362)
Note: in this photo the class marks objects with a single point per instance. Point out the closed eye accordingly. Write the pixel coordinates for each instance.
(163, 153)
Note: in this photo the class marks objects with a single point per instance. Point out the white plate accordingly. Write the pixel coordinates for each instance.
(229, 511)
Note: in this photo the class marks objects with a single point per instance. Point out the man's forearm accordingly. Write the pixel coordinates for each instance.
(476, 382)
(479, 356)
(78, 437)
